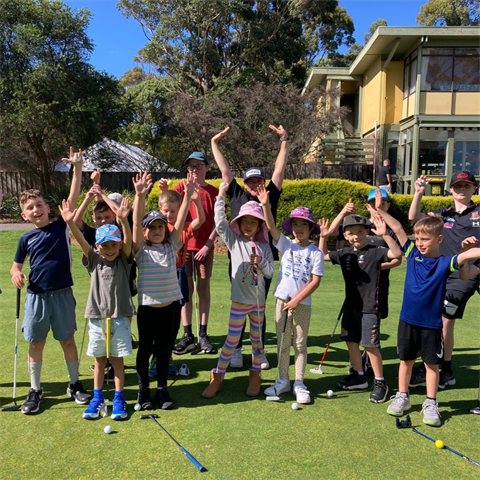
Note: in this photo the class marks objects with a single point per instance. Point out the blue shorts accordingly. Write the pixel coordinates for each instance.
(55, 309)
(120, 337)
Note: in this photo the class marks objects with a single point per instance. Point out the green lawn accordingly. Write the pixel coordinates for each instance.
(235, 436)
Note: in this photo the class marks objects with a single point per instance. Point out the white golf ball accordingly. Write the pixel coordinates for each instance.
(330, 393)
(108, 429)
(137, 407)
(294, 406)
(222, 184)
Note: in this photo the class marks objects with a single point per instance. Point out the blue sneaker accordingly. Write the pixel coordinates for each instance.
(152, 370)
(93, 410)
(119, 411)
(172, 369)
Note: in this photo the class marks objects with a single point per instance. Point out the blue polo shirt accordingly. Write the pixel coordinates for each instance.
(50, 257)
(425, 286)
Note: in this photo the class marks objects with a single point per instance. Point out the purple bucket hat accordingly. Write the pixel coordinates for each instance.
(255, 210)
(305, 214)
(107, 233)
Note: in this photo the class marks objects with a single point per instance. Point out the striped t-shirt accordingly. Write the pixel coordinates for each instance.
(157, 275)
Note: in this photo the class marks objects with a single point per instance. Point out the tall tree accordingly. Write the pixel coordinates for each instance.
(449, 13)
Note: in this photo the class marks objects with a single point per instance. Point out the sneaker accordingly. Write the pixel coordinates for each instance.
(419, 378)
(400, 403)
(32, 402)
(144, 399)
(163, 399)
(93, 410)
(78, 393)
(446, 378)
(237, 359)
(186, 344)
(152, 369)
(431, 415)
(265, 365)
(172, 369)
(204, 344)
(301, 393)
(119, 409)
(379, 392)
(282, 387)
(354, 381)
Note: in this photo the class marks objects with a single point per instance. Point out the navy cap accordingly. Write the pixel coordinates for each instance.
(253, 172)
(197, 156)
(463, 177)
(150, 217)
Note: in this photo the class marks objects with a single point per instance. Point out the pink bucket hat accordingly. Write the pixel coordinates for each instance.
(305, 214)
(255, 210)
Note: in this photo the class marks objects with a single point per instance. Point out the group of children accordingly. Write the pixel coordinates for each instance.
(169, 245)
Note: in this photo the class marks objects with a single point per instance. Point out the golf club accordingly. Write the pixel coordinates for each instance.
(107, 341)
(255, 281)
(195, 294)
(154, 417)
(476, 410)
(83, 341)
(15, 407)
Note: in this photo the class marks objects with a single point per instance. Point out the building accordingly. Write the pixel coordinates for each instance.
(417, 90)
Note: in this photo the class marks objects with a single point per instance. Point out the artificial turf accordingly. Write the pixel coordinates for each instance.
(235, 436)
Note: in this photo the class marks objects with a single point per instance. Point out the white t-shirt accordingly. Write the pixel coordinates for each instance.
(296, 268)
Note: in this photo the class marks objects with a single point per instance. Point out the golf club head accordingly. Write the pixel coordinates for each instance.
(104, 409)
(151, 415)
(407, 423)
(13, 408)
(184, 371)
(317, 370)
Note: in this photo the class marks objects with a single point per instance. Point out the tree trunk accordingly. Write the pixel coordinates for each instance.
(35, 144)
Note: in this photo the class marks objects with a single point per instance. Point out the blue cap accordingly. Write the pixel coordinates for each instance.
(371, 194)
(107, 233)
(197, 156)
(150, 217)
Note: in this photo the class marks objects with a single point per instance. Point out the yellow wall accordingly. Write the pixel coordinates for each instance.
(372, 87)
(394, 93)
(436, 103)
(411, 104)
(466, 103)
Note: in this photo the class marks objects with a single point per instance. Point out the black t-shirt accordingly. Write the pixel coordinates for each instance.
(382, 175)
(237, 197)
(361, 272)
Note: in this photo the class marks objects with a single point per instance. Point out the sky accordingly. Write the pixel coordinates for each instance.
(118, 39)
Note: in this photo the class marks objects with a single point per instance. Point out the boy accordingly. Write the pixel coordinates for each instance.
(50, 301)
(109, 300)
(420, 326)
(361, 264)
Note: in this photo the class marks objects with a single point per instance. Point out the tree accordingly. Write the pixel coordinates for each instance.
(449, 13)
(50, 96)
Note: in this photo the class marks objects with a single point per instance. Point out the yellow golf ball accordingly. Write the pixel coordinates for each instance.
(170, 182)
(439, 444)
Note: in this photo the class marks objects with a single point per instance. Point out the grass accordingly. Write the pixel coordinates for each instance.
(235, 436)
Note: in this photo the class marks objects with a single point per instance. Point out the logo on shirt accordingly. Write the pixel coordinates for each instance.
(475, 216)
(475, 224)
(361, 259)
(32, 240)
(448, 225)
(418, 259)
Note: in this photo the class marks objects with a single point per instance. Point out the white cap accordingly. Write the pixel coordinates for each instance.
(116, 197)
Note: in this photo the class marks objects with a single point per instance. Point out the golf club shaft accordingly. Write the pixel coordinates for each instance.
(108, 335)
(17, 317)
(255, 279)
(285, 315)
(195, 293)
(83, 341)
(333, 333)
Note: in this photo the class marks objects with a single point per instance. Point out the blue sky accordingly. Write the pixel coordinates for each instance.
(118, 39)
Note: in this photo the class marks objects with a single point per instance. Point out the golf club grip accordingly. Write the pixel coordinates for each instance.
(192, 459)
(19, 291)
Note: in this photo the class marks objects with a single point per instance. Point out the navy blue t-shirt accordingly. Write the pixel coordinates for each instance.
(50, 257)
(425, 286)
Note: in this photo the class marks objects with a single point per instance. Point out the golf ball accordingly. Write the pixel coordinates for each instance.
(169, 183)
(439, 444)
(294, 406)
(137, 407)
(222, 184)
(108, 429)
(330, 393)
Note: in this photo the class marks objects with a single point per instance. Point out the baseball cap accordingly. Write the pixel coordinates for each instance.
(350, 220)
(253, 172)
(303, 213)
(371, 194)
(197, 156)
(116, 197)
(107, 233)
(463, 176)
(150, 217)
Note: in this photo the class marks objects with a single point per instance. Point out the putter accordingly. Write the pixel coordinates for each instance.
(318, 370)
(195, 294)
(255, 281)
(476, 410)
(15, 407)
(107, 341)
(83, 341)
(154, 417)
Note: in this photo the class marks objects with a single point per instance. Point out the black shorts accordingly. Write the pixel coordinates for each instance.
(455, 303)
(413, 340)
(362, 328)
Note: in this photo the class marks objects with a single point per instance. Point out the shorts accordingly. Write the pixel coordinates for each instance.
(204, 269)
(455, 303)
(120, 337)
(413, 339)
(55, 309)
(362, 328)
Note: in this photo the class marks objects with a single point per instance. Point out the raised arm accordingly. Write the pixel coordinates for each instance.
(282, 157)
(80, 212)
(142, 183)
(263, 196)
(348, 209)
(76, 160)
(471, 254)
(69, 218)
(122, 215)
(221, 161)
(380, 229)
(189, 187)
(414, 213)
(200, 220)
(324, 233)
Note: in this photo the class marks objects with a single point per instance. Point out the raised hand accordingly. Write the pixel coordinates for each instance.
(74, 157)
(67, 215)
(142, 183)
(323, 224)
(95, 176)
(262, 194)
(218, 136)
(222, 189)
(421, 183)
(163, 184)
(469, 243)
(190, 185)
(123, 210)
(380, 225)
(196, 193)
(280, 130)
(93, 191)
(349, 208)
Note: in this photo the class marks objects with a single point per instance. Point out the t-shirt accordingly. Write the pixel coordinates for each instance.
(50, 257)
(296, 268)
(237, 197)
(109, 295)
(187, 234)
(157, 274)
(382, 175)
(208, 194)
(425, 286)
(361, 272)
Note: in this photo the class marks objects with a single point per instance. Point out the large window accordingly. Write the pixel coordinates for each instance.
(410, 75)
(466, 151)
(450, 69)
(432, 152)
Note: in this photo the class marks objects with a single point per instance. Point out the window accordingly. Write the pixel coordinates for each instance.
(410, 75)
(466, 151)
(406, 139)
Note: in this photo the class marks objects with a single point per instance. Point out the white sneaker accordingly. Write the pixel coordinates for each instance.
(237, 359)
(301, 392)
(282, 387)
(265, 365)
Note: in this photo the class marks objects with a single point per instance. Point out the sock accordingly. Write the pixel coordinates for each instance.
(405, 393)
(119, 394)
(447, 366)
(380, 379)
(203, 330)
(187, 329)
(35, 369)
(430, 398)
(98, 393)
(362, 373)
(72, 371)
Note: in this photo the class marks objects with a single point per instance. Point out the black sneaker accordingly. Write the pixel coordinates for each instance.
(78, 393)
(185, 345)
(32, 402)
(144, 399)
(204, 344)
(419, 378)
(379, 392)
(354, 381)
(446, 378)
(163, 399)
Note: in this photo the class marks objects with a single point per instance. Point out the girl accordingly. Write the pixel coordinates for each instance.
(252, 262)
(155, 250)
(300, 273)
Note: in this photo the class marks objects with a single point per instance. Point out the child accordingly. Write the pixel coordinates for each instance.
(252, 262)
(300, 273)
(50, 301)
(361, 264)
(110, 298)
(155, 250)
(420, 326)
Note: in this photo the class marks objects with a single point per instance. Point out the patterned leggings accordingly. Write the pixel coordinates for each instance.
(297, 324)
(238, 315)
